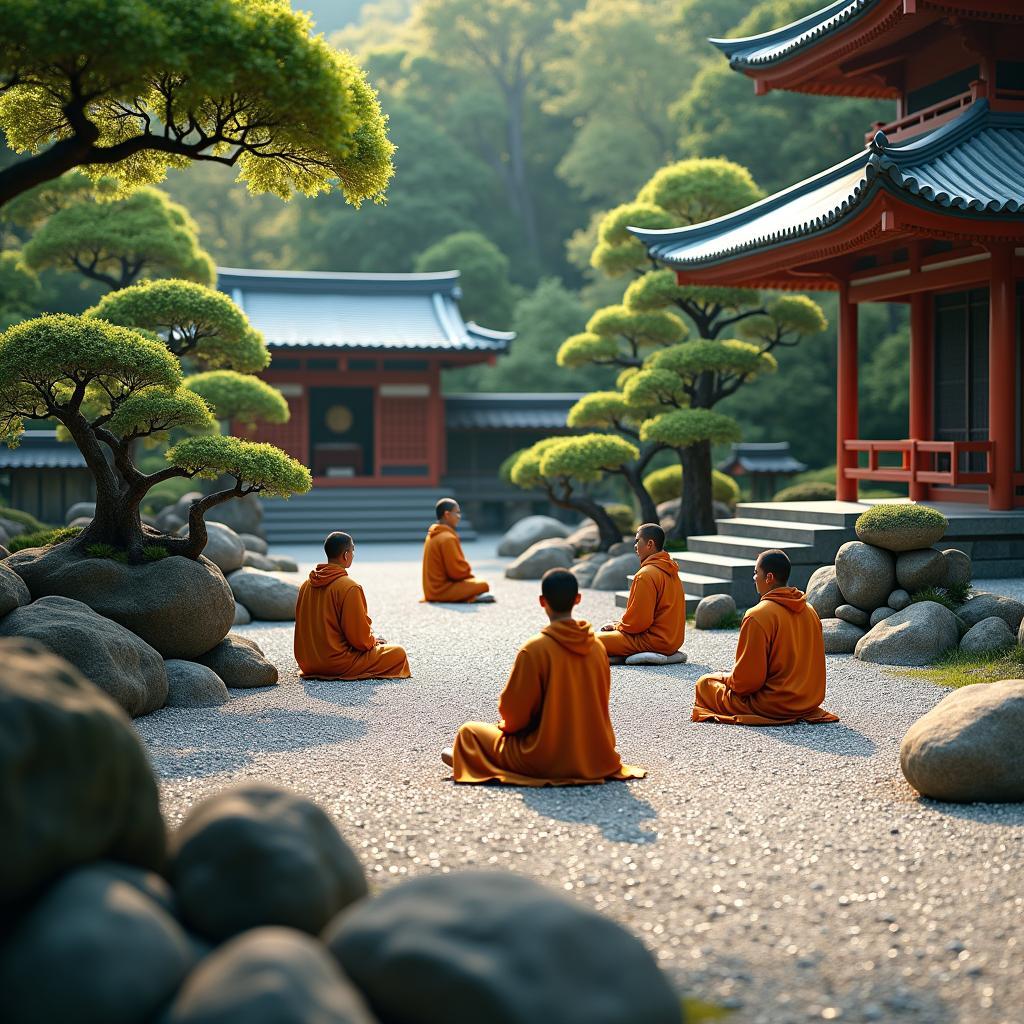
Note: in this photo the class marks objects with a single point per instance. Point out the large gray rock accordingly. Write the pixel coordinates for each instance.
(958, 568)
(240, 663)
(268, 976)
(191, 685)
(93, 949)
(866, 575)
(918, 635)
(898, 600)
(13, 592)
(714, 610)
(855, 616)
(81, 522)
(984, 606)
(254, 560)
(80, 510)
(622, 547)
(254, 543)
(614, 574)
(284, 563)
(968, 748)
(902, 533)
(84, 787)
(3, 551)
(538, 558)
(496, 947)
(991, 634)
(242, 616)
(525, 533)
(840, 636)
(585, 537)
(881, 613)
(916, 570)
(823, 593)
(259, 855)
(223, 546)
(10, 527)
(178, 606)
(264, 595)
(585, 570)
(115, 659)
(243, 515)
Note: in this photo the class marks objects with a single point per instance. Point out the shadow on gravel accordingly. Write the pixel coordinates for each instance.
(613, 808)
(346, 693)
(828, 738)
(987, 814)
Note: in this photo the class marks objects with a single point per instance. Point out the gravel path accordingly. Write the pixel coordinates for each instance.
(788, 873)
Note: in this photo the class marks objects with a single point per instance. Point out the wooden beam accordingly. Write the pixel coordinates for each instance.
(1002, 377)
(846, 394)
(920, 419)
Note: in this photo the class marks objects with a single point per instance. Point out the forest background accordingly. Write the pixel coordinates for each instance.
(519, 123)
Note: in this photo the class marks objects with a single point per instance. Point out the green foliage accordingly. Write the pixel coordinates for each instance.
(107, 551)
(685, 427)
(901, 516)
(525, 471)
(938, 595)
(581, 349)
(622, 516)
(586, 458)
(154, 552)
(43, 538)
(646, 390)
(698, 190)
(26, 519)
(642, 329)
(19, 289)
(617, 251)
(254, 464)
(157, 83)
(807, 492)
(154, 412)
(690, 360)
(599, 409)
(167, 492)
(958, 668)
(667, 485)
(959, 593)
(242, 399)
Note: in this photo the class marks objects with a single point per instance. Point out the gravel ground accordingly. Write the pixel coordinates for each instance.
(790, 873)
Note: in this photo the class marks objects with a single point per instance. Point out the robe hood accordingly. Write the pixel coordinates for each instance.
(325, 574)
(790, 598)
(575, 635)
(436, 528)
(664, 561)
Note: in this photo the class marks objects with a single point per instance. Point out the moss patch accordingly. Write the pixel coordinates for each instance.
(957, 669)
(43, 538)
(901, 517)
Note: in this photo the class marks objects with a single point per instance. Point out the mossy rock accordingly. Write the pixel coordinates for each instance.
(901, 527)
(807, 492)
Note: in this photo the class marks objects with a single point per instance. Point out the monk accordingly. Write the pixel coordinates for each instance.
(779, 676)
(655, 615)
(555, 729)
(333, 635)
(447, 575)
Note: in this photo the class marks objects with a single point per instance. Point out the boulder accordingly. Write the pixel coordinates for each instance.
(254, 543)
(85, 789)
(80, 510)
(866, 575)
(265, 596)
(10, 527)
(585, 538)
(254, 560)
(3, 552)
(855, 616)
(115, 659)
(918, 635)
(585, 570)
(968, 748)
(613, 574)
(823, 593)
(242, 616)
(93, 949)
(898, 600)
(178, 606)
(991, 634)
(240, 663)
(896, 532)
(622, 547)
(268, 976)
(958, 568)
(284, 563)
(916, 570)
(223, 547)
(243, 515)
(256, 855)
(654, 658)
(13, 592)
(984, 606)
(171, 523)
(81, 522)
(713, 610)
(720, 510)
(525, 533)
(538, 558)
(191, 685)
(840, 636)
(490, 946)
(879, 614)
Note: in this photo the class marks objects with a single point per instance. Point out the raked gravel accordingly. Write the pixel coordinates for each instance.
(789, 874)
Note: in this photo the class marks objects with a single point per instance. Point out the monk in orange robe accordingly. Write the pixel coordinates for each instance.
(555, 729)
(447, 576)
(655, 615)
(333, 634)
(779, 676)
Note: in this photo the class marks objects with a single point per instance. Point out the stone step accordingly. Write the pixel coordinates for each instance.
(781, 530)
(828, 513)
(724, 567)
(751, 547)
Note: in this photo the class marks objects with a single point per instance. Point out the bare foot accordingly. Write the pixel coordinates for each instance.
(447, 757)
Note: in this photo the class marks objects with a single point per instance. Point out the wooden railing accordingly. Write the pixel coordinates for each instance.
(918, 462)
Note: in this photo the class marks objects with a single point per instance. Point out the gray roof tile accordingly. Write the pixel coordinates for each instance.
(40, 449)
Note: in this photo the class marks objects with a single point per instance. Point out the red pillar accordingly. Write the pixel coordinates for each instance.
(920, 426)
(1002, 378)
(846, 393)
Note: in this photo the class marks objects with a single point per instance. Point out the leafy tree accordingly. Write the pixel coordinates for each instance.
(239, 398)
(131, 89)
(19, 289)
(666, 485)
(109, 386)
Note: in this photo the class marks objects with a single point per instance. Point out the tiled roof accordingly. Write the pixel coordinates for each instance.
(359, 311)
(540, 411)
(40, 449)
(972, 166)
(763, 457)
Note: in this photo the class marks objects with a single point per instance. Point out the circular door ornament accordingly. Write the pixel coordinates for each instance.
(339, 419)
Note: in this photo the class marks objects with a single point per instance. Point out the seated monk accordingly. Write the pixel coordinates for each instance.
(655, 615)
(779, 677)
(555, 729)
(333, 638)
(447, 575)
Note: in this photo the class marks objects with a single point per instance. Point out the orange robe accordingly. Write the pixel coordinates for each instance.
(447, 575)
(779, 677)
(655, 615)
(333, 638)
(555, 729)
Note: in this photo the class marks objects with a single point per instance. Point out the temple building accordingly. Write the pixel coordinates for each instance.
(930, 213)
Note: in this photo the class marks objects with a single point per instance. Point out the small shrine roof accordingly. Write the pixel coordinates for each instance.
(972, 166)
(498, 411)
(310, 309)
(40, 449)
(762, 457)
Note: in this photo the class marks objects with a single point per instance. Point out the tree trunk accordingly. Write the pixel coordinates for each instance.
(608, 533)
(696, 511)
(522, 200)
(633, 477)
(194, 544)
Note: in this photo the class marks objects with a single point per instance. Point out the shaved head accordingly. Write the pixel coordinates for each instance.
(775, 562)
(559, 588)
(444, 506)
(652, 531)
(337, 544)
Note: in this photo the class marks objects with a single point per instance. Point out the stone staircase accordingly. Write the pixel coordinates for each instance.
(370, 514)
(810, 532)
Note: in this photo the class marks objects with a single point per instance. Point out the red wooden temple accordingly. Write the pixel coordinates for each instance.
(930, 213)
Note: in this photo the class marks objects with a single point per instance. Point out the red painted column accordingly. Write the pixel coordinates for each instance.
(1002, 377)
(921, 386)
(846, 393)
